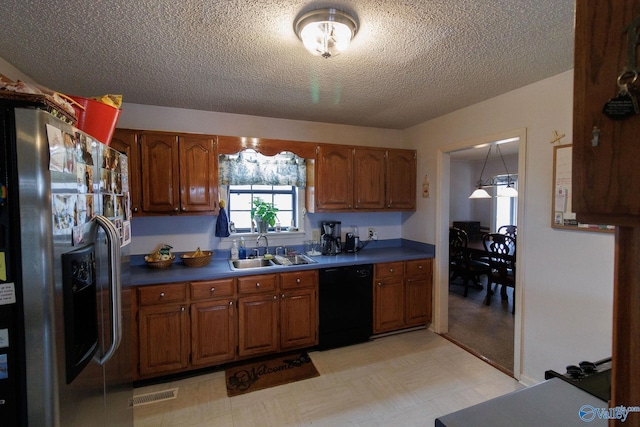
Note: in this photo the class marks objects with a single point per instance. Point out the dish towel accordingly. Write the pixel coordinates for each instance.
(222, 224)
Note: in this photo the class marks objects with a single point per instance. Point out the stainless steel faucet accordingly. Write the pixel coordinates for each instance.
(266, 242)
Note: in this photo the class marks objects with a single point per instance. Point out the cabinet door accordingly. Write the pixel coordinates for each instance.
(198, 174)
(160, 181)
(418, 301)
(163, 339)
(258, 324)
(401, 180)
(605, 176)
(388, 301)
(369, 178)
(126, 142)
(334, 178)
(298, 319)
(418, 290)
(213, 336)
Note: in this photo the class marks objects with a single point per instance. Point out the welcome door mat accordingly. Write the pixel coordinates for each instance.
(265, 373)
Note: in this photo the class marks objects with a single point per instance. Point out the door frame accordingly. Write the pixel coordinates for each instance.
(441, 280)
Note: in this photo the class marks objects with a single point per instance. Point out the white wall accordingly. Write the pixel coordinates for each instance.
(566, 313)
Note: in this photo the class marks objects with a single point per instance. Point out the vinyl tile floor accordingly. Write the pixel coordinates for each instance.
(407, 379)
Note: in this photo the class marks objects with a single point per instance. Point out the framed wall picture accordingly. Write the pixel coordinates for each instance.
(562, 216)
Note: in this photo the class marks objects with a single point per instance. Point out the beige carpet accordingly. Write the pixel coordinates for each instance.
(486, 330)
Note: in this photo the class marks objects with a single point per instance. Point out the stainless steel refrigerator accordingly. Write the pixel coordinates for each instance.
(65, 343)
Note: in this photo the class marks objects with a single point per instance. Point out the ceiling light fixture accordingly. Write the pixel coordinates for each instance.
(479, 192)
(325, 32)
(508, 191)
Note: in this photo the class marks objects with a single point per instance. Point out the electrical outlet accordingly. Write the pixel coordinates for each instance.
(315, 234)
(372, 234)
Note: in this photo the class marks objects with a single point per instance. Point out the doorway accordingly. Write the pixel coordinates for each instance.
(450, 193)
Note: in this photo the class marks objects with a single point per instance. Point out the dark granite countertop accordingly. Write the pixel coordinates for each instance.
(219, 267)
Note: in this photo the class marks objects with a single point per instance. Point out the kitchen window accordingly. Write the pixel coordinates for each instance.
(248, 175)
(284, 197)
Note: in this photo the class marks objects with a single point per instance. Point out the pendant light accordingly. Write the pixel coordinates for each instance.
(507, 191)
(325, 32)
(481, 193)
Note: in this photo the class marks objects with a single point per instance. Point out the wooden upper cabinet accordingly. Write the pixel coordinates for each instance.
(401, 180)
(179, 173)
(369, 178)
(334, 178)
(160, 179)
(198, 174)
(362, 178)
(126, 142)
(606, 179)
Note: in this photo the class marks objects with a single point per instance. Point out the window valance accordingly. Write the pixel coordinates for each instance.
(249, 167)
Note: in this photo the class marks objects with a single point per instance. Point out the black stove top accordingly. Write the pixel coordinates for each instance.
(592, 377)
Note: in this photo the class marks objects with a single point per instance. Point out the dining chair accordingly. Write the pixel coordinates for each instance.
(509, 230)
(501, 254)
(460, 262)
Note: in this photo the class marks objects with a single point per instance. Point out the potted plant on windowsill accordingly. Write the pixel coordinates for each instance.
(264, 214)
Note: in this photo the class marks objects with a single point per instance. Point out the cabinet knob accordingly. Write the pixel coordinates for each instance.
(230, 303)
(379, 283)
(176, 209)
(420, 267)
(298, 280)
(258, 285)
(283, 296)
(391, 270)
(181, 308)
(184, 209)
(135, 209)
(275, 298)
(161, 294)
(212, 290)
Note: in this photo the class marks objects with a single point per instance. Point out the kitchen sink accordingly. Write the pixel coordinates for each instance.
(260, 263)
(297, 259)
(241, 264)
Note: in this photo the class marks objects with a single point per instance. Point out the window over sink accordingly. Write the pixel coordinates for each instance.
(248, 175)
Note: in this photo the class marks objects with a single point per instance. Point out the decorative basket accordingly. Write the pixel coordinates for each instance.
(199, 261)
(159, 264)
(45, 103)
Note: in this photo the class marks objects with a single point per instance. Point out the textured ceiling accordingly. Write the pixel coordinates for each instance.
(412, 60)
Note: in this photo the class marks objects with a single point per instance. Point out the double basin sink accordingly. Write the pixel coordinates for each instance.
(260, 263)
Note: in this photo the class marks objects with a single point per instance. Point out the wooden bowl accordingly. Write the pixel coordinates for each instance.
(199, 261)
(159, 264)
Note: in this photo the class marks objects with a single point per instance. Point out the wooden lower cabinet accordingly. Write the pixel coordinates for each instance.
(402, 295)
(185, 326)
(258, 324)
(298, 309)
(388, 297)
(163, 339)
(213, 332)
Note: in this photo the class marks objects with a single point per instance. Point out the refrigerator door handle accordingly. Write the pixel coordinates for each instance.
(113, 240)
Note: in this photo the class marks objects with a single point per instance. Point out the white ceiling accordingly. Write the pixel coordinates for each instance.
(412, 60)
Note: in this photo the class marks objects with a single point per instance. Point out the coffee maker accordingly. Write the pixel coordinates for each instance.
(331, 238)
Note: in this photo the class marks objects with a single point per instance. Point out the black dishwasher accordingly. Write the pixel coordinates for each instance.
(346, 306)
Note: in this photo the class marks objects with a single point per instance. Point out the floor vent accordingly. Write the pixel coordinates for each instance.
(158, 396)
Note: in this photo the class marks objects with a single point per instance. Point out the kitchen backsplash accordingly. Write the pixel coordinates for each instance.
(185, 233)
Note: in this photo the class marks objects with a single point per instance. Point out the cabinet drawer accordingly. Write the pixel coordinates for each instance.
(253, 284)
(299, 279)
(389, 269)
(418, 267)
(212, 289)
(162, 294)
